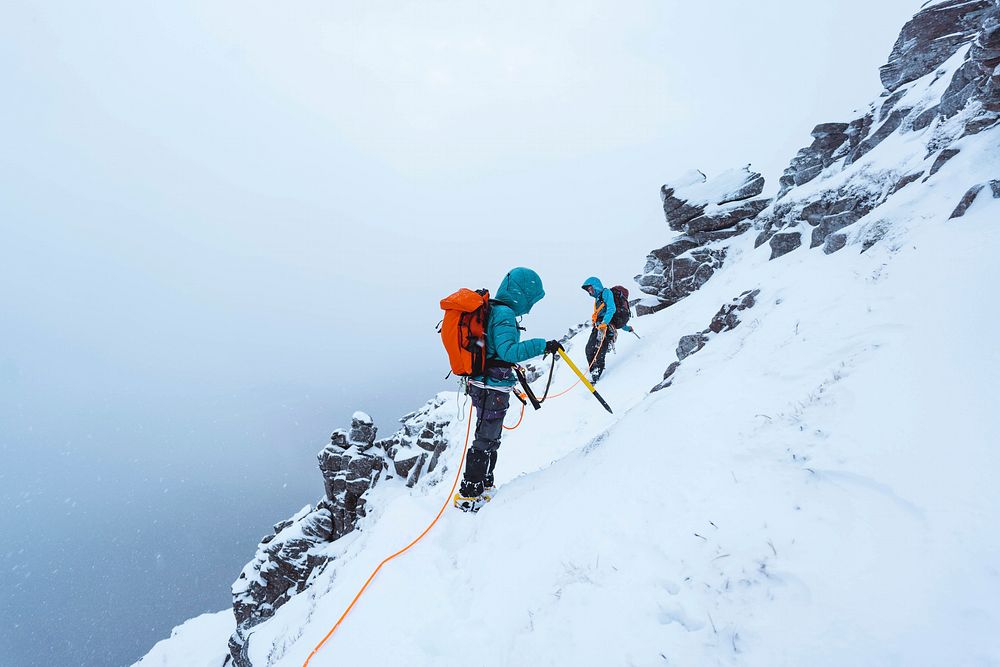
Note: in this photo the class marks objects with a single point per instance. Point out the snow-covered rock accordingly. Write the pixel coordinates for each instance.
(727, 319)
(930, 37)
(941, 84)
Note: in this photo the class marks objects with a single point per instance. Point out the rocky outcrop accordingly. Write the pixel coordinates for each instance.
(970, 197)
(966, 106)
(351, 464)
(828, 138)
(784, 243)
(726, 319)
(282, 567)
(416, 448)
(985, 53)
(676, 270)
(931, 37)
(697, 204)
(706, 212)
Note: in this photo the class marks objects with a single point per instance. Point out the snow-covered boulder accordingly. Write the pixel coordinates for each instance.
(416, 447)
(706, 211)
(694, 197)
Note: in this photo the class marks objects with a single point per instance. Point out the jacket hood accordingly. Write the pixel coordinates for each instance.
(520, 289)
(594, 282)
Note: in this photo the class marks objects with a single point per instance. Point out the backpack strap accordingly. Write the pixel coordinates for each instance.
(493, 362)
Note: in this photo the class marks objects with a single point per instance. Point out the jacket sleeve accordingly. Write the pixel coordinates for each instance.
(508, 344)
(609, 306)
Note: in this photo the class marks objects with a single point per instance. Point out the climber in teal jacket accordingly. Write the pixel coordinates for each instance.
(520, 289)
(603, 334)
(604, 301)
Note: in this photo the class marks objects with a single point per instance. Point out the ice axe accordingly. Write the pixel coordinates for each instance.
(569, 362)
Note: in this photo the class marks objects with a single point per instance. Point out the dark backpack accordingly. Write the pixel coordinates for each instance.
(622, 309)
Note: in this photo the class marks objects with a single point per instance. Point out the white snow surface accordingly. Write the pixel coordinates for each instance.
(817, 487)
(194, 643)
(698, 190)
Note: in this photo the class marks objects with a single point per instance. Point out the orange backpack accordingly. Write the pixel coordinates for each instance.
(463, 330)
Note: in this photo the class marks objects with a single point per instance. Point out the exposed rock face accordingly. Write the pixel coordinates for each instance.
(416, 448)
(710, 213)
(696, 197)
(930, 38)
(351, 464)
(727, 319)
(970, 197)
(985, 53)
(706, 211)
(828, 138)
(676, 270)
(966, 106)
(784, 243)
(888, 126)
(282, 567)
(941, 159)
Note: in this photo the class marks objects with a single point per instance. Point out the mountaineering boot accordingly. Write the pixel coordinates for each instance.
(470, 489)
(473, 504)
(470, 496)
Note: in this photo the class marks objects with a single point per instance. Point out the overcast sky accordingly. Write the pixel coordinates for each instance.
(224, 226)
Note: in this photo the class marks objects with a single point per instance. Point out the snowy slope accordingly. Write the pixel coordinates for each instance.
(814, 487)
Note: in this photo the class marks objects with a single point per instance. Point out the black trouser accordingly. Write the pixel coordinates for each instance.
(594, 347)
(491, 407)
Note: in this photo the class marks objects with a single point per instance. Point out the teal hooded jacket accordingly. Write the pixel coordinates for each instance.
(602, 295)
(520, 289)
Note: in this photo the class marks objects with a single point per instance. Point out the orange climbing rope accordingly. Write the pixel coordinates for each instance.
(592, 362)
(454, 485)
(519, 420)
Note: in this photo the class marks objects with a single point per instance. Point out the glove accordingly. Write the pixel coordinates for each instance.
(553, 346)
(602, 326)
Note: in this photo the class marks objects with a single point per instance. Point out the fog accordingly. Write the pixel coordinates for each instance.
(226, 226)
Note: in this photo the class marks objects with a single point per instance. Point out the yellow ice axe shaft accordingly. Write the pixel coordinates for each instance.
(569, 362)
